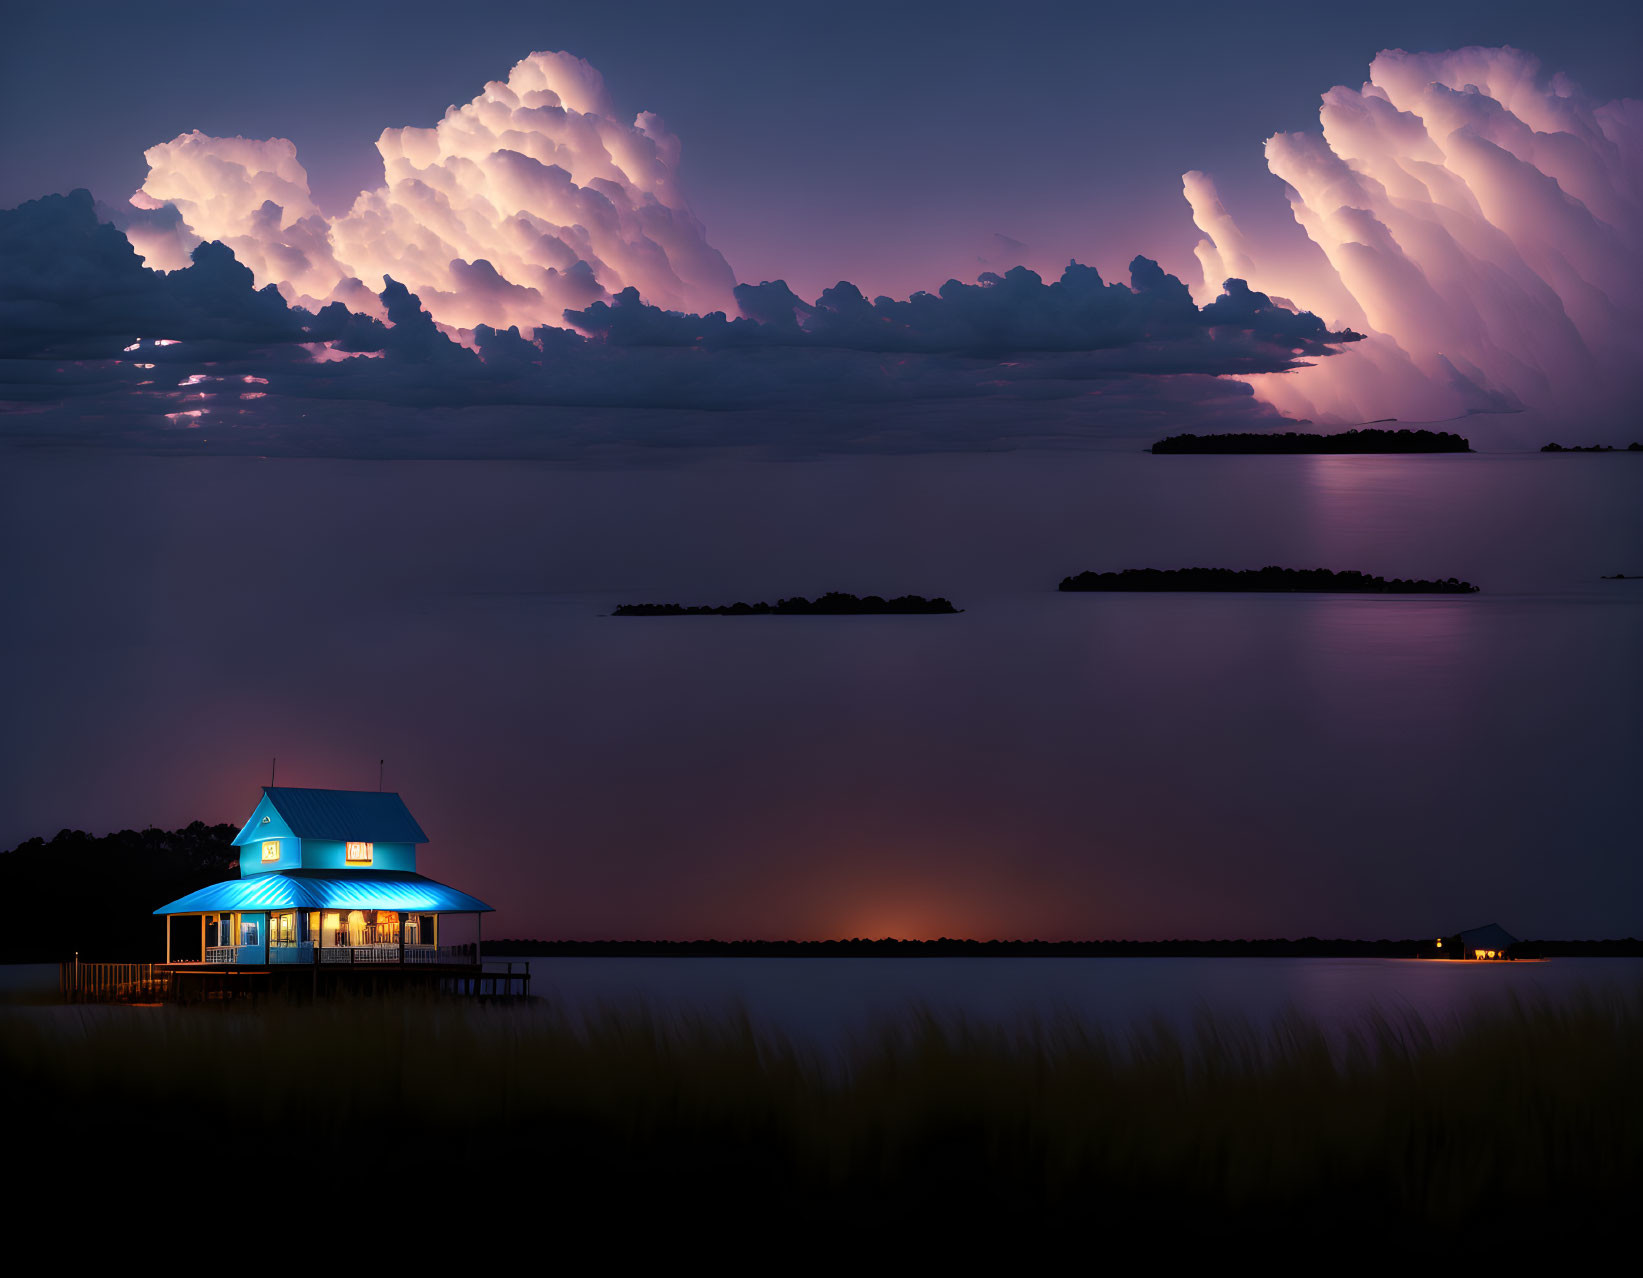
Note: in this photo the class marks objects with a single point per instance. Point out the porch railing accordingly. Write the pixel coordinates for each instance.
(156, 982)
(302, 952)
(457, 955)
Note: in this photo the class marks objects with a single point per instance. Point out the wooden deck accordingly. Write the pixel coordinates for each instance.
(197, 983)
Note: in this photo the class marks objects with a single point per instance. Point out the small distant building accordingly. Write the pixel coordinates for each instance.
(1491, 941)
(326, 877)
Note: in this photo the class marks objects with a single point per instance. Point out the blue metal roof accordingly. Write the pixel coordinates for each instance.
(328, 890)
(365, 816)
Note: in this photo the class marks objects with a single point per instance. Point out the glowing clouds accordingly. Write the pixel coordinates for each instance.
(530, 200)
(250, 194)
(1222, 254)
(1480, 225)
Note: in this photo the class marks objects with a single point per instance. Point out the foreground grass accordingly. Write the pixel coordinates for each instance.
(1524, 1124)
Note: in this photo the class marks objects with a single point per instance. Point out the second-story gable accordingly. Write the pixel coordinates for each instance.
(267, 842)
(328, 830)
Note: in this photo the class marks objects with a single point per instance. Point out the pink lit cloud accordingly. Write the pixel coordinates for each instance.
(1478, 222)
(533, 198)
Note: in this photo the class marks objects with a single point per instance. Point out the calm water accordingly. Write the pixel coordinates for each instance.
(1042, 765)
(830, 1002)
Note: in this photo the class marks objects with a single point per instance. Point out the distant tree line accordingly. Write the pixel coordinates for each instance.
(1262, 579)
(1367, 440)
(950, 947)
(1622, 947)
(1633, 447)
(97, 894)
(833, 603)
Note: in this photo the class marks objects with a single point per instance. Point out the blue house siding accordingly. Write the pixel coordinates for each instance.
(326, 854)
(258, 953)
(321, 854)
(251, 861)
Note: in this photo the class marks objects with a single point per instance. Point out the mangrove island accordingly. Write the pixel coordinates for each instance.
(833, 604)
(1633, 447)
(1352, 441)
(1319, 580)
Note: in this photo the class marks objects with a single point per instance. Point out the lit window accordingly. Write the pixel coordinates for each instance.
(360, 852)
(271, 850)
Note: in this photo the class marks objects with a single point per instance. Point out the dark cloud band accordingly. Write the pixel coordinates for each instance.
(89, 335)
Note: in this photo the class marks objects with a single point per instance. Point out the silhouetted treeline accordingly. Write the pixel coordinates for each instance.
(1623, 947)
(833, 603)
(1262, 579)
(949, 947)
(97, 895)
(1369, 440)
(1633, 447)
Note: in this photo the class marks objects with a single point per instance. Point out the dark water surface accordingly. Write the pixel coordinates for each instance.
(829, 1001)
(1042, 765)
(832, 1002)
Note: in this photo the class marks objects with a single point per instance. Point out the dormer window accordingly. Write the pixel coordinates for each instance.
(359, 853)
(271, 850)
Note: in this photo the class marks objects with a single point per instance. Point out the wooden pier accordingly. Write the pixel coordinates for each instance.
(198, 983)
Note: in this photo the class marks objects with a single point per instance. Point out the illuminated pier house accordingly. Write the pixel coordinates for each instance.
(326, 877)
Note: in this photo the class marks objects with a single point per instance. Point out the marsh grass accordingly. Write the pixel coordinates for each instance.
(1524, 1122)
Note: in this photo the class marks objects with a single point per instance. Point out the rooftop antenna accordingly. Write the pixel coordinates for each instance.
(380, 762)
(273, 766)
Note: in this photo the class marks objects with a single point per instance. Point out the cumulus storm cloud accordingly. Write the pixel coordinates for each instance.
(529, 280)
(530, 199)
(1478, 222)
